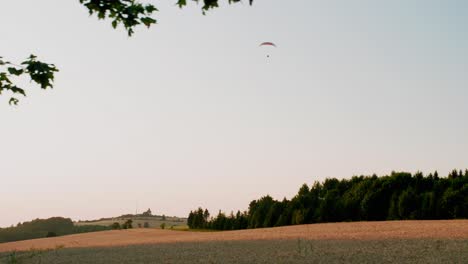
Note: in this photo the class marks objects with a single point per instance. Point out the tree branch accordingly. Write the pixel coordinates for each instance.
(39, 72)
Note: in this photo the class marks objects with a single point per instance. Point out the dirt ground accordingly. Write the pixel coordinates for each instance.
(445, 229)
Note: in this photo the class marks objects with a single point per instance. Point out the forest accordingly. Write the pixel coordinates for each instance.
(40, 228)
(398, 196)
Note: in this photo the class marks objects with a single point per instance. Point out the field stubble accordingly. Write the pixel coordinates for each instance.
(364, 242)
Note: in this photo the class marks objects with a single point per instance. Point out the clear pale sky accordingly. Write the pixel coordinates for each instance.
(191, 112)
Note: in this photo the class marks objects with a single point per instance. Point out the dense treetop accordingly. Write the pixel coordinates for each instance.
(399, 196)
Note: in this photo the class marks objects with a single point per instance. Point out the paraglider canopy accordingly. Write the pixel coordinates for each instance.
(268, 44)
(271, 44)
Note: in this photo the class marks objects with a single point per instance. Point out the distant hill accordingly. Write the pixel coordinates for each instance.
(59, 226)
(153, 221)
(40, 228)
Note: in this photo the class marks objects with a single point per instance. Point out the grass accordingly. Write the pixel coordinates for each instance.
(32, 255)
(273, 251)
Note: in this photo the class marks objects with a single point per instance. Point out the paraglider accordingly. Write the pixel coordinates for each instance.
(268, 44)
(271, 44)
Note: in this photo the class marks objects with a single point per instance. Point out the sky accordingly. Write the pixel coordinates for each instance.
(191, 112)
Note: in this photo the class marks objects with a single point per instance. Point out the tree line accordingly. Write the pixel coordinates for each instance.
(39, 228)
(398, 196)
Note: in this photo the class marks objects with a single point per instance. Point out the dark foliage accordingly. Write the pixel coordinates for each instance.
(128, 13)
(208, 4)
(127, 224)
(198, 219)
(51, 234)
(39, 228)
(131, 13)
(399, 196)
(115, 226)
(39, 72)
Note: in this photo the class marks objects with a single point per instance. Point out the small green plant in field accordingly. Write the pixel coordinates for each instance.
(34, 255)
(163, 225)
(12, 258)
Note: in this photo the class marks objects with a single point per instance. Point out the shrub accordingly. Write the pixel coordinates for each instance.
(115, 226)
(51, 234)
(127, 224)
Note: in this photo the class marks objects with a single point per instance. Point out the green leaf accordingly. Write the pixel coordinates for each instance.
(4, 78)
(15, 71)
(16, 89)
(13, 101)
(147, 21)
(150, 9)
(131, 13)
(181, 3)
(128, 13)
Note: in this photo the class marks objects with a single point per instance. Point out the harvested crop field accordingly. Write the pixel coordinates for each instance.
(450, 229)
(259, 251)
